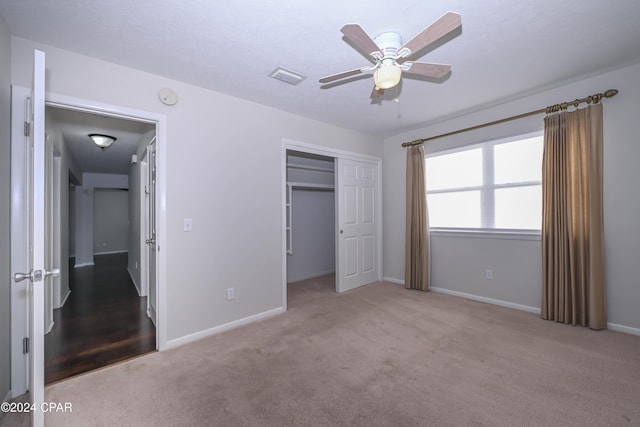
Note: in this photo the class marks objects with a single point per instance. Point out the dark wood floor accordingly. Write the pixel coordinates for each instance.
(103, 321)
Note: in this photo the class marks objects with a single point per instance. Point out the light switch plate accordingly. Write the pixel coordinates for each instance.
(188, 224)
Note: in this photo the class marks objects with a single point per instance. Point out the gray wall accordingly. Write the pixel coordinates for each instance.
(459, 262)
(313, 232)
(5, 212)
(110, 220)
(86, 242)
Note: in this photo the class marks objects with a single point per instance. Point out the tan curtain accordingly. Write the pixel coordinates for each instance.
(573, 288)
(416, 271)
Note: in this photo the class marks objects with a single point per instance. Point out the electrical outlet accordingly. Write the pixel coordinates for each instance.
(489, 274)
(231, 294)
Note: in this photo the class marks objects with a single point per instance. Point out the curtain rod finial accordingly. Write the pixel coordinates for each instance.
(611, 92)
(413, 143)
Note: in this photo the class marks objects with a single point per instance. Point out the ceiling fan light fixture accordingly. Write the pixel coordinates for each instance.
(102, 141)
(387, 75)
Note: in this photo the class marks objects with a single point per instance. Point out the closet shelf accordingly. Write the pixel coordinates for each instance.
(310, 186)
(310, 168)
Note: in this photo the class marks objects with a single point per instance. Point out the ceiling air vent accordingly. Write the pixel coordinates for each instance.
(287, 76)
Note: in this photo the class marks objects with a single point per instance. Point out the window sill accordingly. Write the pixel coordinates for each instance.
(487, 234)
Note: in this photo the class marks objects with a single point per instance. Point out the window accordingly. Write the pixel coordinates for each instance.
(494, 185)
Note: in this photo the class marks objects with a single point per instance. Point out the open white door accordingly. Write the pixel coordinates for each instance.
(357, 188)
(151, 232)
(38, 276)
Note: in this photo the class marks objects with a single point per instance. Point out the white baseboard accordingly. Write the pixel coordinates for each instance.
(84, 264)
(611, 326)
(135, 283)
(623, 329)
(111, 252)
(49, 327)
(225, 327)
(535, 310)
(64, 298)
(151, 313)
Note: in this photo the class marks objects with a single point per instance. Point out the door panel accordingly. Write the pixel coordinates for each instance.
(368, 253)
(151, 233)
(368, 203)
(36, 285)
(37, 276)
(350, 204)
(357, 222)
(20, 220)
(351, 257)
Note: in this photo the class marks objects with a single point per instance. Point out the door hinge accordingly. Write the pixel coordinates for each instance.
(25, 345)
(27, 129)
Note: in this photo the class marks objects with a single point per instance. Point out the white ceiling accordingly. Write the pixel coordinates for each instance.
(506, 49)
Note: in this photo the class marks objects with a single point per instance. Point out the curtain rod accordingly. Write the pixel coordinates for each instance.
(550, 109)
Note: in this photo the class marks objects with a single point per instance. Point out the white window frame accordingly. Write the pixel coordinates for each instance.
(487, 193)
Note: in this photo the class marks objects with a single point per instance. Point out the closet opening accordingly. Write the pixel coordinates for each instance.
(310, 223)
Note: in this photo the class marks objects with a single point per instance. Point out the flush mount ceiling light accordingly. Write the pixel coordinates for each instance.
(102, 141)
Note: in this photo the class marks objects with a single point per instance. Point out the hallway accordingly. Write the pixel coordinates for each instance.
(103, 321)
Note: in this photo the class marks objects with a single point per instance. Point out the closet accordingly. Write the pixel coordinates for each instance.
(310, 216)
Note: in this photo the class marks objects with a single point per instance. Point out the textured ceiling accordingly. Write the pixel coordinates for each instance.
(505, 49)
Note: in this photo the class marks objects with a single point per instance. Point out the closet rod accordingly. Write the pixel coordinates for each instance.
(550, 109)
(310, 186)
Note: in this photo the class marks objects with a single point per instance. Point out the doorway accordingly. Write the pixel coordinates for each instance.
(155, 124)
(311, 218)
(352, 181)
(100, 312)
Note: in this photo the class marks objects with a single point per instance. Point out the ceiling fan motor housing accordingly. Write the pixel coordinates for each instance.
(389, 43)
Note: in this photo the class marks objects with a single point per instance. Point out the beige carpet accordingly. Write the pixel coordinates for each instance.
(377, 356)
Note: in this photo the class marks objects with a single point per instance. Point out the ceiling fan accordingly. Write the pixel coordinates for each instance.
(390, 56)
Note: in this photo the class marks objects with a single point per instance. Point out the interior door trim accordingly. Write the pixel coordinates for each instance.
(288, 144)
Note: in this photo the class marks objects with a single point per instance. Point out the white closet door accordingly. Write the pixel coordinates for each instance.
(357, 224)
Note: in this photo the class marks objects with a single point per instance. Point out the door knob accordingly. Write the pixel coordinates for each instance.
(19, 277)
(52, 273)
(36, 276)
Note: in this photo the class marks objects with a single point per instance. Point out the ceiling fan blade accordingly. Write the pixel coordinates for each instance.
(440, 28)
(376, 93)
(334, 77)
(428, 69)
(360, 39)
